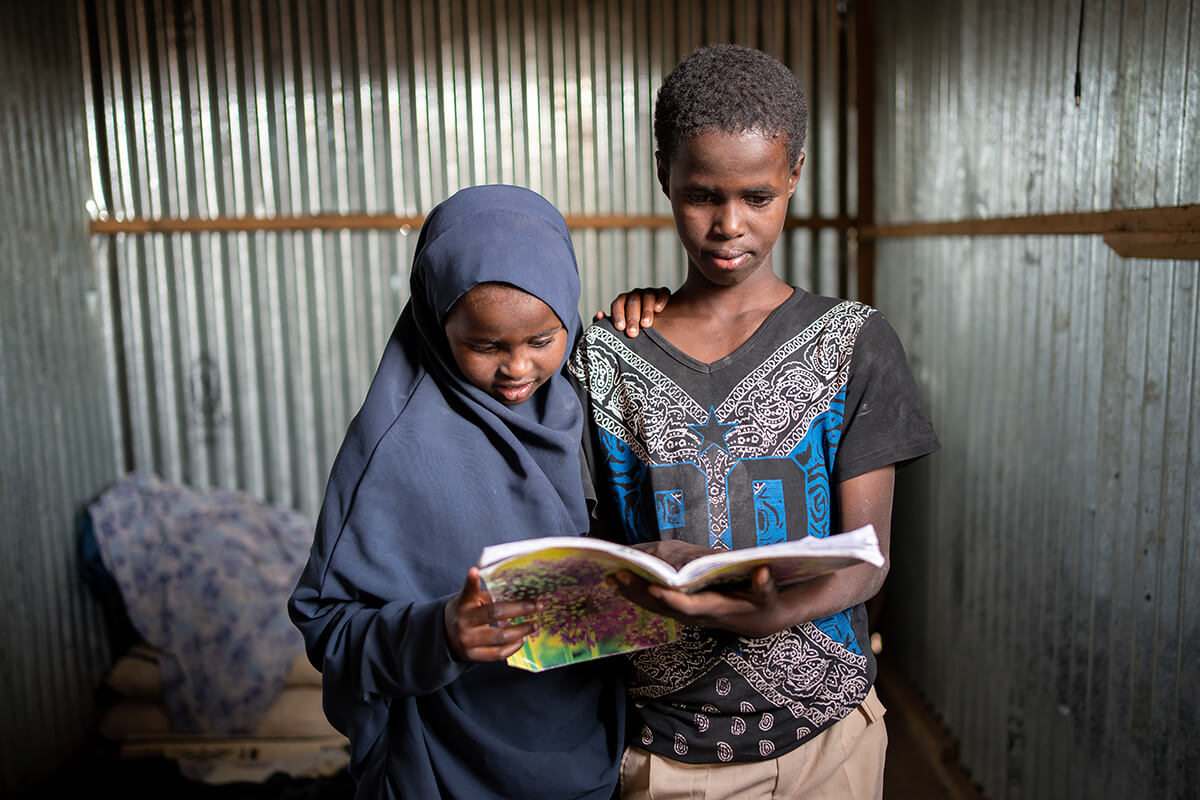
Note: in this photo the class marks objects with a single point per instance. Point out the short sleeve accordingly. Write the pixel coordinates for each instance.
(577, 374)
(884, 422)
(600, 510)
(585, 475)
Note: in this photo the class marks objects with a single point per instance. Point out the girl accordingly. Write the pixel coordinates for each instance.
(469, 436)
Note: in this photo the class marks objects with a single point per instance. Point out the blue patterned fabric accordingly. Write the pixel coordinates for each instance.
(204, 576)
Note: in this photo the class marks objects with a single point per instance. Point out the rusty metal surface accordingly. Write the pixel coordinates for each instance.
(1045, 592)
(237, 359)
(57, 444)
(246, 354)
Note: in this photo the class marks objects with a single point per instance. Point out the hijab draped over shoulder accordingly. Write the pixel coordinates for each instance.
(432, 469)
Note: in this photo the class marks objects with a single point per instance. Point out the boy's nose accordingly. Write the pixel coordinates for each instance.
(727, 221)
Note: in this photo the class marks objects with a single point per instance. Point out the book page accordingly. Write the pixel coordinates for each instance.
(620, 556)
(584, 616)
(790, 562)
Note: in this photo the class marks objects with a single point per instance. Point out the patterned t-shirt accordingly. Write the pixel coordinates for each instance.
(747, 451)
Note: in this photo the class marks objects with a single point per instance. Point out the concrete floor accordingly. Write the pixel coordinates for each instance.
(921, 763)
(922, 757)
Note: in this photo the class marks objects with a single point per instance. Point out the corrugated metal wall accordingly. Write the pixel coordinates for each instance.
(1044, 592)
(57, 446)
(1053, 623)
(238, 359)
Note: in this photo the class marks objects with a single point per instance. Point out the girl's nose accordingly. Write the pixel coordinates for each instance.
(516, 364)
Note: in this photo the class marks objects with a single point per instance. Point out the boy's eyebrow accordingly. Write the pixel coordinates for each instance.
(706, 187)
(764, 189)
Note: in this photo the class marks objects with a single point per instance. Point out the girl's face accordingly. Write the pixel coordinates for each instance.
(505, 341)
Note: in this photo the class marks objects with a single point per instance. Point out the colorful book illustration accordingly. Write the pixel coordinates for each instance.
(585, 617)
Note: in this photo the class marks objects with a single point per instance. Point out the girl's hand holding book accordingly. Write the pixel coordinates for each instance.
(471, 618)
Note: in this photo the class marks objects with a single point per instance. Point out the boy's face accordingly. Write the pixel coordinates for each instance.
(505, 341)
(729, 194)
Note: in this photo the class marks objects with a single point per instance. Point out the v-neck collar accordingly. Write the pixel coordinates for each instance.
(738, 353)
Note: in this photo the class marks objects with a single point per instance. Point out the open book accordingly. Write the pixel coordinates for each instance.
(585, 617)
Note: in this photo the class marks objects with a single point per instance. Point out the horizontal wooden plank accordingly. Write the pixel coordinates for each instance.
(1185, 246)
(385, 222)
(1163, 219)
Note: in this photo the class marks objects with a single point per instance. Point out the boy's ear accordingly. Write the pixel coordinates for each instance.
(794, 177)
(664, 172)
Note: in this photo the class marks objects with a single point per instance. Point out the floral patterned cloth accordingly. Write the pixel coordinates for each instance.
(205, 576)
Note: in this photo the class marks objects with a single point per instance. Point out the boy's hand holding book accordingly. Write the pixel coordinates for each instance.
(675, 552)
(742, 609)
(586, 611)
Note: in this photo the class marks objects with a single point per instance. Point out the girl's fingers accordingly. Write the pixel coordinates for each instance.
(491, 613)
(496, 642)
(472, 593)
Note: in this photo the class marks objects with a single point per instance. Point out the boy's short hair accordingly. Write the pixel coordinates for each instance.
(730, 88)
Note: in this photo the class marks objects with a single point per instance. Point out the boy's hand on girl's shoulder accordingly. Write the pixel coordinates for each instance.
(636, 307)
(470, 616)
(752, 611)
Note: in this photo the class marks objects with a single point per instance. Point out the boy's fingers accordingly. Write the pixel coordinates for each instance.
(625, 311)
(662, 295)
(636, 589)
(633, 312)
(650, 306)
(762, 587)
(617, 312)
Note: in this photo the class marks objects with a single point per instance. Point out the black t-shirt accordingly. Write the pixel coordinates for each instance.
(742, 452)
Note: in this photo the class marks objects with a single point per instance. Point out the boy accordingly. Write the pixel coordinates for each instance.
(751, 412)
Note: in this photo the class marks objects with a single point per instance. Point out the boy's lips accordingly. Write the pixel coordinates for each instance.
(729, 259)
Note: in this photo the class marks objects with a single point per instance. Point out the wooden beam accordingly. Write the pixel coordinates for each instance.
(1181, 219)
(314, 222)
(1185, 246)
(389, 222)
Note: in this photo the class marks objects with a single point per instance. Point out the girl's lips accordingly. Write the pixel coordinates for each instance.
(515, 394)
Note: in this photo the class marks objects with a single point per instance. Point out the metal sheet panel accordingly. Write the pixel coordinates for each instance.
(1044, 581)
(237, 359)
(246, 354)
(58, 445)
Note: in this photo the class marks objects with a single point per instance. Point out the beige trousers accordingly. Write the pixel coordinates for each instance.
(845, 762)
